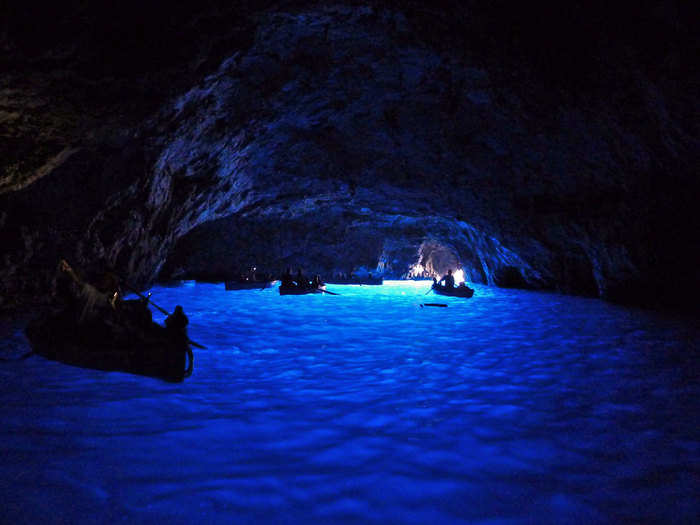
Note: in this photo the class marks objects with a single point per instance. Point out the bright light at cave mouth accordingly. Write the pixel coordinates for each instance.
(459, 276)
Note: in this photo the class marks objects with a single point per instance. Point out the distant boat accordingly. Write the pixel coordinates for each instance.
(459, 291)
(299, 290)
(370, 281)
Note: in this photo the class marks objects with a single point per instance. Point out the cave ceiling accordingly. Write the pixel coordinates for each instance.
(210, 137)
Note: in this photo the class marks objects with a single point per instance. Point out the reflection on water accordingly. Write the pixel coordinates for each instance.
(512, 406)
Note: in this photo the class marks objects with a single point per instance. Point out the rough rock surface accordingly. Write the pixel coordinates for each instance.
(333, 136)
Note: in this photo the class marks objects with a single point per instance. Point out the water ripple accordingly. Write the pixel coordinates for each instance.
(510, 407)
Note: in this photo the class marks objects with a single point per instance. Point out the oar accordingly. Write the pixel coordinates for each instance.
(147, 298)
(431, 289)
(133, 289)
(163, 310)
(441, 305)
(326, 291)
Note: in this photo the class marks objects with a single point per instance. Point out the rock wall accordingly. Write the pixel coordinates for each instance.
(352, 134)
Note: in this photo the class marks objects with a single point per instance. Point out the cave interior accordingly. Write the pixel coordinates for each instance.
(202, 139)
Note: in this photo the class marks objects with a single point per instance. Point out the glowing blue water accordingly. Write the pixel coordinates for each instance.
(512, 406)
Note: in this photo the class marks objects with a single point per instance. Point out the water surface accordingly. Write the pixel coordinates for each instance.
(510, 407)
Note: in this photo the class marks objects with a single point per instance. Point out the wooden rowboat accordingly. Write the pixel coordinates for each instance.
(459, 291)
(298, 290)
(112, 343)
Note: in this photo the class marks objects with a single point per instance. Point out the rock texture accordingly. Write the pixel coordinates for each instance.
(353, 134)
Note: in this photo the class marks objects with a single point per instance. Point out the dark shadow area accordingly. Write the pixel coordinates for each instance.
(549, 128)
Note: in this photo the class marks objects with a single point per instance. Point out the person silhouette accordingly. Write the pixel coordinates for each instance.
(302, 282)
(449, 280)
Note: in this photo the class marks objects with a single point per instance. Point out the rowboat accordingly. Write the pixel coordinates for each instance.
(299, 290)
(459, 291)
(115, 342)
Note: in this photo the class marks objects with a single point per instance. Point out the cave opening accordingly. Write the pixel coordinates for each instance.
(434, 260)
(350, 244)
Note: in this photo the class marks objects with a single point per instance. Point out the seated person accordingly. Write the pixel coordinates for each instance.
(136, 313)
(449, 280)
(177, 322)
(287, 281)
(300, 280)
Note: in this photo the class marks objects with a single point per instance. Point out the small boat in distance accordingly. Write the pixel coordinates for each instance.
(459, 291)
(354, 279)
(298, 290)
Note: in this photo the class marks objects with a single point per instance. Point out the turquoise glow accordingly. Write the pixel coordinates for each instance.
(512, 406)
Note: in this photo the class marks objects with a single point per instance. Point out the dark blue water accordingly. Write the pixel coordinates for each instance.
(510, 407)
